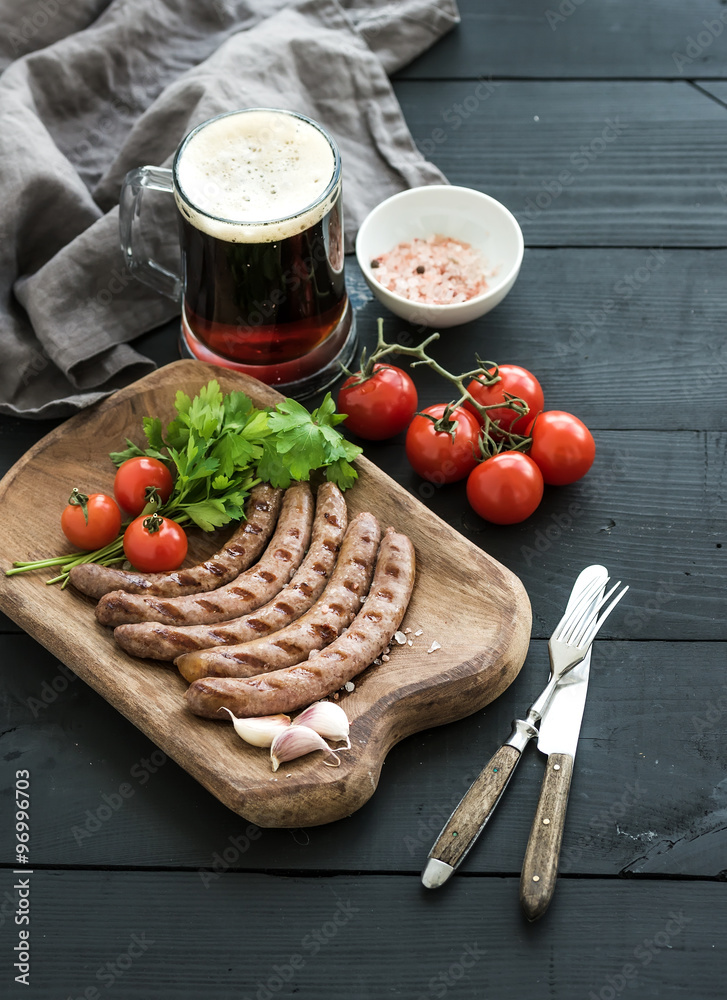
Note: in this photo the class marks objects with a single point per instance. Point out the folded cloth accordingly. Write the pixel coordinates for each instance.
(94, 88)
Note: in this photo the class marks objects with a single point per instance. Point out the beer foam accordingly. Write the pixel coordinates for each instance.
(255, 177)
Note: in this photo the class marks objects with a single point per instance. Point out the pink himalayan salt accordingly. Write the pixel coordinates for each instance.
(438, 270)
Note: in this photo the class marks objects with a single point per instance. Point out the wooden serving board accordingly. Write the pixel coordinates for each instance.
(475, 608)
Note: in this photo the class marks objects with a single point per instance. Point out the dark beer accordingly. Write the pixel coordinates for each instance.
(262, 244)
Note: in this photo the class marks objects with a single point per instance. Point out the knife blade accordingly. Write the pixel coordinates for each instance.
(560, 726)
(474, 810)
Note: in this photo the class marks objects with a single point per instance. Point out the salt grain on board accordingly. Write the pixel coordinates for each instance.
(438, 270)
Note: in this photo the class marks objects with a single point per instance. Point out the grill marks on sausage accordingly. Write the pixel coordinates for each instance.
(241, 592)
(164, 642)
(240, 552)
(329, 616)
(281, 608)
(211, 606)
(247, 592)
(290, 648)
(300, 685)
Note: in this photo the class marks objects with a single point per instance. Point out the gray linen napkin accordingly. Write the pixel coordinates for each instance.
(94, 88)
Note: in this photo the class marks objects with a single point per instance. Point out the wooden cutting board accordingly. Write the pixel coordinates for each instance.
(472, 606)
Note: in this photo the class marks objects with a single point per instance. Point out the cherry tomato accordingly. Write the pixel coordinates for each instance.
(155, 544)
(90, 522)
(433, 454)
(517, 382)
(133, 478)
(506, 488)
(381, 406)
(562, 447)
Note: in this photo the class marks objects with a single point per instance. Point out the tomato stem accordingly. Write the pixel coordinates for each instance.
(493, 437)
(78, 499)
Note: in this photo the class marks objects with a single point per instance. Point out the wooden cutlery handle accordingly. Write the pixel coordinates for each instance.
(540, 867)
(469, 818)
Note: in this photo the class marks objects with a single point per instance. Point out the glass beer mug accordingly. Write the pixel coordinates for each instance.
(262, 289)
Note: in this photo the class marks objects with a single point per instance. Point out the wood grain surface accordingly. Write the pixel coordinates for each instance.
(253, 929)
(596, 163)
(572, 40)
(475, 608)
(540, 864)
(464, 825)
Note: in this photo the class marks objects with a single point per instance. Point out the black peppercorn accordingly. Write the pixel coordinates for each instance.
(375, 263)
(420, 269)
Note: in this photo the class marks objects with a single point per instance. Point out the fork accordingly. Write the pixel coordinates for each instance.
(573, 637)
(568, 646)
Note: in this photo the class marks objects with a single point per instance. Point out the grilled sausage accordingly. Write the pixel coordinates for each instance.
(295, 687)
(241, 551)
(329, 616)
(248, 591)
(164, 642)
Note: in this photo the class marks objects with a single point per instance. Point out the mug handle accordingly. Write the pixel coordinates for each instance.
(138, 261)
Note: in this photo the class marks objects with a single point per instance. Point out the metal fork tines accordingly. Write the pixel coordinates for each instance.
(573, 637)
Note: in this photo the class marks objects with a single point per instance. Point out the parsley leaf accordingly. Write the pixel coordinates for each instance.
(220, 446)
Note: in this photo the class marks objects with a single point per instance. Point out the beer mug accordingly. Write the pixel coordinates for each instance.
(262, 289)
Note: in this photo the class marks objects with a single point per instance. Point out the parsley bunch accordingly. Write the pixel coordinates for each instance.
(220, 446)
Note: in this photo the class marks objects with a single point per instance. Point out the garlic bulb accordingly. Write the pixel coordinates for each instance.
(260, 732)
(327, 719)
(297, 741)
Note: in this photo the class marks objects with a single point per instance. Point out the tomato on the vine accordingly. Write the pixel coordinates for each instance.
(155, 544)
(515, 381)
(135, 476)
(506, 488)
(90, 522)
(442, 456)
(563, 447)
(381, 405)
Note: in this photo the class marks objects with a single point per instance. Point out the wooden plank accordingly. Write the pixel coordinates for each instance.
(527, 38)
(717, 88)
(634, 805)
(648, 511)
(587, 164)
(623, 337)
(253, 937)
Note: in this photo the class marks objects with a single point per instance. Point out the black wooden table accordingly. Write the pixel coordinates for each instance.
(620, 309)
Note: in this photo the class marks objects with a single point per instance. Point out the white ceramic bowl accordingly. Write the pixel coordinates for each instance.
(444, 210)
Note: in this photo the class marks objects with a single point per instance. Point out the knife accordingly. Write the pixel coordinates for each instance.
(478, 803)
(557, 738)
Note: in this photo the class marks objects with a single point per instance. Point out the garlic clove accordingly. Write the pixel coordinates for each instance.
(297, 741)
(260, 732)
(327, 719)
